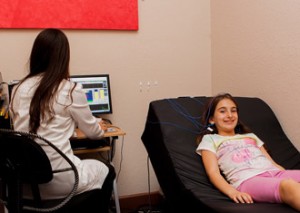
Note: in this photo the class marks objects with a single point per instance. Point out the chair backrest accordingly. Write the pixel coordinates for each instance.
(23, 161)
(20, 154)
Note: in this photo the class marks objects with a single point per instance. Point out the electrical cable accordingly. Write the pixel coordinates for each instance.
(149, 186)
(121, 160)
(195, 120)
(182, 111)
(174, 125)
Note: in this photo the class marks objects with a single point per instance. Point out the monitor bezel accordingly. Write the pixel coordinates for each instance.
(108, 86)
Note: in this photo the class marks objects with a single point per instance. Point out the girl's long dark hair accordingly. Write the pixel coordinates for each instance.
(50, 57)
(209, 111)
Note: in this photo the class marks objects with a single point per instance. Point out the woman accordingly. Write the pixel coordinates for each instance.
(47, 103)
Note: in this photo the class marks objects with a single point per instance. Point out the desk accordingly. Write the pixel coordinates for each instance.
(111, 136)
(117, 132)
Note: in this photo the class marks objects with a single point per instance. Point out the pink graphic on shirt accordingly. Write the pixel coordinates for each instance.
(243, 156)
(250, 141)
(240, 149)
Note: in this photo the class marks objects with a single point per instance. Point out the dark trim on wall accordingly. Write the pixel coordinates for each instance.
(132, 203)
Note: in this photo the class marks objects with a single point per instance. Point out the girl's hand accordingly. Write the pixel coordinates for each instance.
(240, 197)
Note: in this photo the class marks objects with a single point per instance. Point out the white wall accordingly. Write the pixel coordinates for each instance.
(171, 47)
(256, 53)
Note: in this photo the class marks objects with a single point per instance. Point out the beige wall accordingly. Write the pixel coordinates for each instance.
(171, 47)
(256, 52)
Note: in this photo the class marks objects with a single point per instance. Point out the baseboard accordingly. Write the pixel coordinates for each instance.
(132, 203)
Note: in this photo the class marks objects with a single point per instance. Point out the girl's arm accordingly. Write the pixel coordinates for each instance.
(264, 151)
(212, 169)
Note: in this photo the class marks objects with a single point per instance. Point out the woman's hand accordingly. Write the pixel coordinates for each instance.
(103, 125)
(240, 197)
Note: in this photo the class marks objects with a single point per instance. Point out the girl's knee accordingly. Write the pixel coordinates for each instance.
(289, 191)
(287, 183)
(288, 188)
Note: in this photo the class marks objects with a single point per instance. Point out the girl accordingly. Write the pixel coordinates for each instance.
(237, 163)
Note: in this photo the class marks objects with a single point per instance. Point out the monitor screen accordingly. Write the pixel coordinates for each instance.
(97, 90)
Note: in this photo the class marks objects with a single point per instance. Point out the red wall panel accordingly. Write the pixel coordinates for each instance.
(69, 14)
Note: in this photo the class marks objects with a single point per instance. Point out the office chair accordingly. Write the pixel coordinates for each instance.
(23, 161)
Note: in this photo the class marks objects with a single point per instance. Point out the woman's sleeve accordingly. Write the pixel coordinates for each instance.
(82, 114)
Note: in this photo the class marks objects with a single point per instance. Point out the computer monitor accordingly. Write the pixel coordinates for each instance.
(97, 90)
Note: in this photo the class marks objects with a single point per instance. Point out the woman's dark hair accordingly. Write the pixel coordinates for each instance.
(209, 111)
(49, 58)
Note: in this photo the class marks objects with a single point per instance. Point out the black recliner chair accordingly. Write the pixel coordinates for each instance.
(170, 135)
